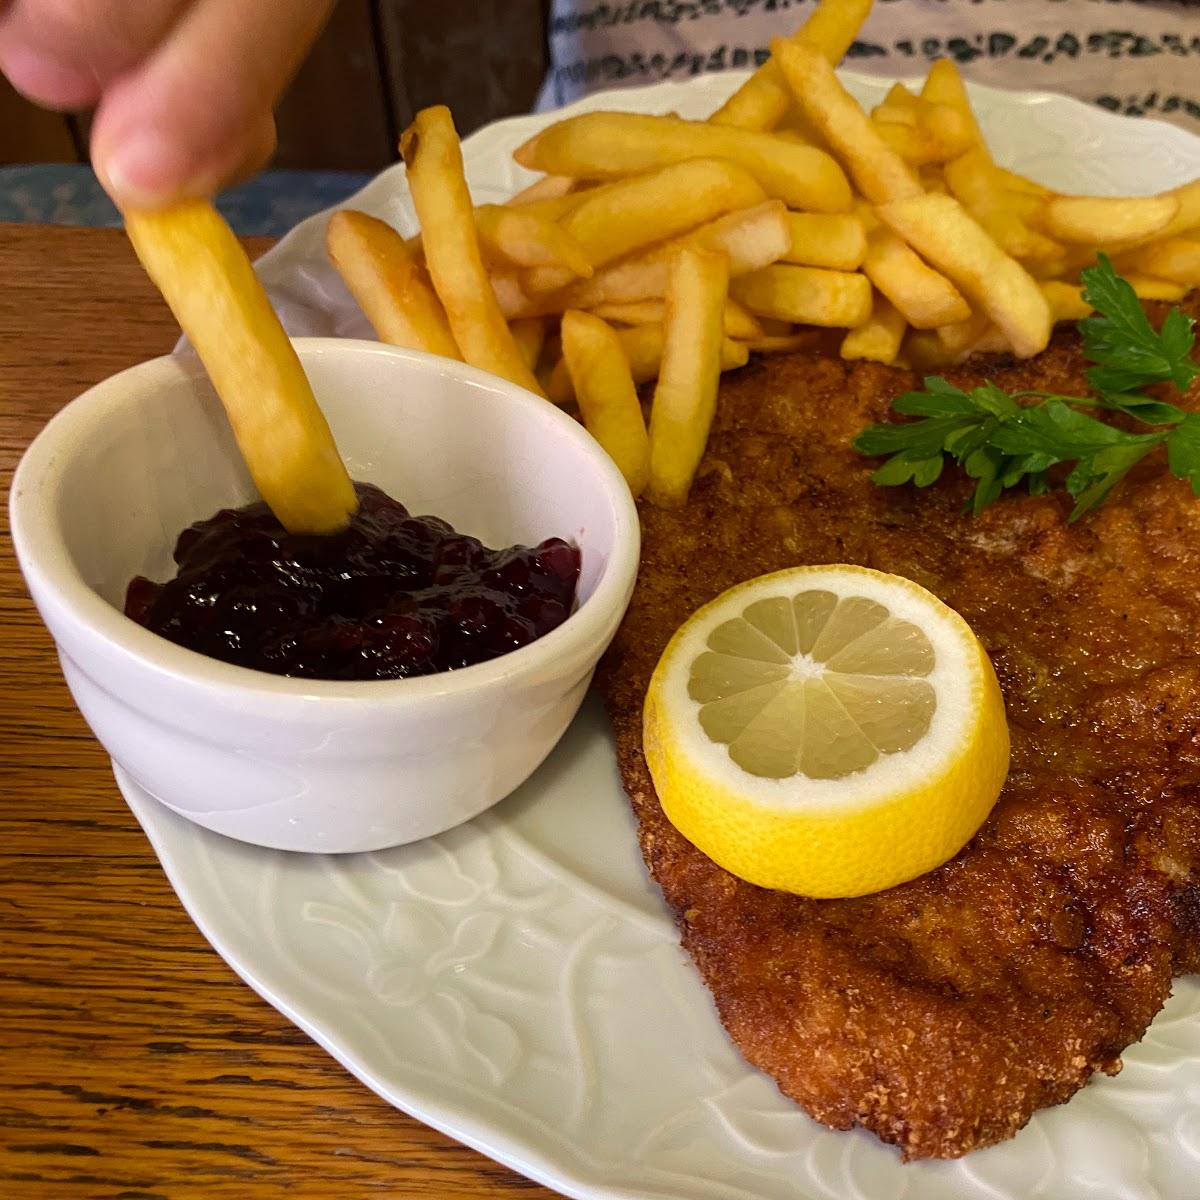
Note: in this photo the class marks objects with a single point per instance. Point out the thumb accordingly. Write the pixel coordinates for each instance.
(198, 111)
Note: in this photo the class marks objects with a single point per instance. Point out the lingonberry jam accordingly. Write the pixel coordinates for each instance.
(391, 596)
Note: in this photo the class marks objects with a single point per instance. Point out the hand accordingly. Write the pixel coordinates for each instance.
(184, 88)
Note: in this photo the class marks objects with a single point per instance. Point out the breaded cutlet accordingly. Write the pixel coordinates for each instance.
(943, 1013)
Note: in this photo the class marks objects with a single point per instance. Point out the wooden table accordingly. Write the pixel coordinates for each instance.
(134, 1065)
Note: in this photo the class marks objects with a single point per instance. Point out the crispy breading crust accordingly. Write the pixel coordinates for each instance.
(941, 1014)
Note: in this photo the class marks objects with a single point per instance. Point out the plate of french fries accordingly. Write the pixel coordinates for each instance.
(651, 251)
(617, 258)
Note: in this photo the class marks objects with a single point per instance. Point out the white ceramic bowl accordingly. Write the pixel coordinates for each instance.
(105, 489)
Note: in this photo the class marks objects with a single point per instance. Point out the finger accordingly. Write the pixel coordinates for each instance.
(187, 119)
(259, 148)
(62, 53)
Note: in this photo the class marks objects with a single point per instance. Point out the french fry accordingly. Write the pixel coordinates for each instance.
(643, 346)
(926, 298)
(944, 85)
(549, 187)
(631, 215)
(1105, 220)
(1066, 300)
(204, 275)
(945, 234)
(530, 335)
(753, 238)
(807, 295)
(957, 340)
(879, 337)
(514, 302)
(923, 352)
(933, 178)
(972, 179)
(834, 240)
(878, 171)
(739, 322)
(527, 239)
(784, 343)
(604, 145)
(1175, 258)
(764, 99)
(606, 394)
(685, 397)
(1186, 220)
(391, 287)
(439, 190)
(1019, 183)
(1187, 217)
(774, 328)
(936, 134)
(899, 106)
(1148, 288)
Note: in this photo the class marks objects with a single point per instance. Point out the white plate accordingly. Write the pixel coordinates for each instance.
(518, 983)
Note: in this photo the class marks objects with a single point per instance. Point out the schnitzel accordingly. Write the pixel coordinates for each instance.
(942, 1013)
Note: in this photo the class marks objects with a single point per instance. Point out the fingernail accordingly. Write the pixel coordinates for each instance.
(145, 170)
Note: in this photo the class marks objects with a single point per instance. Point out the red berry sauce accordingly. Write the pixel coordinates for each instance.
(390, 596)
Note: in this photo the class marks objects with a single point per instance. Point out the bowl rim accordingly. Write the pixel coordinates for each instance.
(44, 558)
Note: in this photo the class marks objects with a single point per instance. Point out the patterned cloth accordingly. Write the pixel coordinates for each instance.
(269, 204)
(1138, 57)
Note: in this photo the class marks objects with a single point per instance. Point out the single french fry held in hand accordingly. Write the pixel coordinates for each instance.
(606, 394)
(739, 322)
(1066, 300)
(391, 286)
(643, 347)
(878, 171)
(926, 298)
(944, 233)
(525, 238)
(439, 190)
(834, 240)
(750, 239)
(530, 335)
(806, 295)
(549, 187)
(685, 397)
(606, 145)
(204, 275)
(879, 337)
(764, 99)
(1108, 220)
(633, 214)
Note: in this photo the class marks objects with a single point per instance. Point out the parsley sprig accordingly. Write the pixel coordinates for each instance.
(1001, 442)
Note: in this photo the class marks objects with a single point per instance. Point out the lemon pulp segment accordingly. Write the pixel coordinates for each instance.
(827, 730)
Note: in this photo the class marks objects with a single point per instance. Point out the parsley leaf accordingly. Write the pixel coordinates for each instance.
(1001, 442)
(1183, 451)
(1120, 340)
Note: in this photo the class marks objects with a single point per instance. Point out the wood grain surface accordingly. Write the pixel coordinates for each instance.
(134, 1065)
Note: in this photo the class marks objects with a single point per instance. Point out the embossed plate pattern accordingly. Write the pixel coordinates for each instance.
(518, 983)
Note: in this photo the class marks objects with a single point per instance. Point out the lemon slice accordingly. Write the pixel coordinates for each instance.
(830, 731)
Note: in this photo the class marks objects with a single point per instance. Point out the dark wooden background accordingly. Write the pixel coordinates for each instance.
(377, 62)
